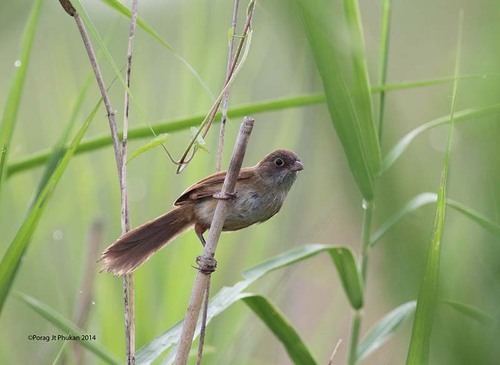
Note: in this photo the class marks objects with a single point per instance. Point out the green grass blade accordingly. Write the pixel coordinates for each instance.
(460, 116)
(11, 260)
(342, 67)
(60, 147)
(418, 353)
(475, 216)
(170, 126)
(428, 198)
(414, 204)
(343, 258)
(11, 109)
(123, 10)
(229, 295)
(279, 325)
(384, 59)
(155, 142)
(471, 312)
(384, 329)
(180, 124)
(345, 261)
(67, 327)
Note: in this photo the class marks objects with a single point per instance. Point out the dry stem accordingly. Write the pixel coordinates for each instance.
(120, 156)
(220, 150)
(128, 280)
(201, 281)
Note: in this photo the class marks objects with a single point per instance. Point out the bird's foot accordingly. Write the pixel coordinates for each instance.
(206, 265)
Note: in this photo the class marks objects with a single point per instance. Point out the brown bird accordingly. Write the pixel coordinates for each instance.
(260, 193)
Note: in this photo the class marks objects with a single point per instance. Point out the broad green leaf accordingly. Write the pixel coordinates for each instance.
(428, 198)
(155, 142)
(279, 325)
(384, 329)
(123, 10)
(229, 295)
(11, 260)
(11, 108)
(337, 46)
(418, 353)
(471, 312)
(67, 327)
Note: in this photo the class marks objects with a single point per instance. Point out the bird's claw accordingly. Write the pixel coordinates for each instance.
(206, 265)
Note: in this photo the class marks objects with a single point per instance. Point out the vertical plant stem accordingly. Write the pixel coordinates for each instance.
(203, 329)
(365, 238)
(199, 287)
(220, 150)
(368, 205)
(355, 328)
(363, 266)
(225, 101)
(383, 63)
(128, 280)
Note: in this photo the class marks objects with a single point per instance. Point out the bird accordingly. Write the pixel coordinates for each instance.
(259, 194)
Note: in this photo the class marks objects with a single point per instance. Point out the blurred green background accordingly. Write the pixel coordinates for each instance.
(324, 205)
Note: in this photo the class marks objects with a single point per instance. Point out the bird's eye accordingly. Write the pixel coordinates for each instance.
(279, 162)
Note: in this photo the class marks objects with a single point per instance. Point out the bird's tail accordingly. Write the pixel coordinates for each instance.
(136, 246)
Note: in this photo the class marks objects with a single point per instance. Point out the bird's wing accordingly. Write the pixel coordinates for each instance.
(209, 186)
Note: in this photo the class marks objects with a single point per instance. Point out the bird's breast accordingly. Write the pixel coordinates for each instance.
(247, 208)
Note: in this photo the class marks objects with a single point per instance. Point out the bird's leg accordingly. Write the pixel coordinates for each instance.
(206, 265)
(201, 238)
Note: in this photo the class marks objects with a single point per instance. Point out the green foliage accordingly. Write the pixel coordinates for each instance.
(155, 142)
(11, 261)
(344, 261)
(419, 351)
(338, 50)
(316, 209)
(282, 329)
(384, 329)
(11, 108)
(67, 327)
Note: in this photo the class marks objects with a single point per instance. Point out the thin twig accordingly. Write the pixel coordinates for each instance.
(225, 101)
(221, 209)
(128, 280)
(204, 316)
(207, 122)
(220, 150)
(84, 302)
(330, 362)
(120, 160)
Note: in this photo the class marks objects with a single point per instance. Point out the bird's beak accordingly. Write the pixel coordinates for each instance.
(297, 166)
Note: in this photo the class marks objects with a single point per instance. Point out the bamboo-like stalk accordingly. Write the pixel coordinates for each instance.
(207, 257)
